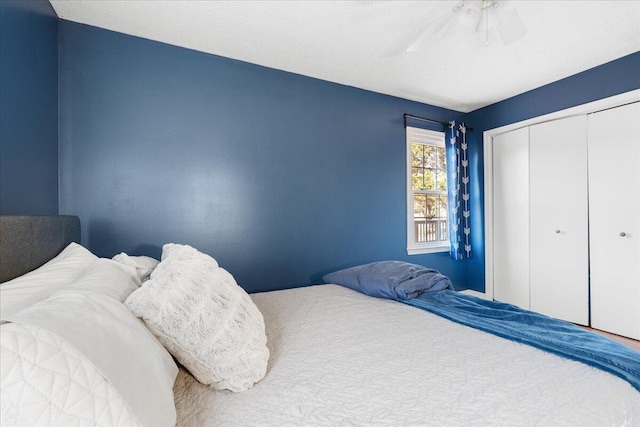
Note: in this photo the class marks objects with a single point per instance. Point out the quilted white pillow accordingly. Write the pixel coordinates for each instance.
(81, 358)
(200, 314)
(44, 390)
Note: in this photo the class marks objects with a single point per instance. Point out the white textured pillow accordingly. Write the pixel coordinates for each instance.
(200, 314)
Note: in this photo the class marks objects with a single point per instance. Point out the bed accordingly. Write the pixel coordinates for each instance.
(339, 357)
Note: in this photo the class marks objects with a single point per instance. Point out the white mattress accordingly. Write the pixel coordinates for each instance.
(342, 358)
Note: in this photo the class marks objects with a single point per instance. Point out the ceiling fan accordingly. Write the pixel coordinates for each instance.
(479, 16)
(485, 14)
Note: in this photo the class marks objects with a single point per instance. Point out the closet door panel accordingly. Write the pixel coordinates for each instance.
(614, 214)
(511, 217)
(559, 228)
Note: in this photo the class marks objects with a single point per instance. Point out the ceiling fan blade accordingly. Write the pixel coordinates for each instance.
(430, 23)
(423, 40)
(510, 26)
(402, 44)
(439, 22)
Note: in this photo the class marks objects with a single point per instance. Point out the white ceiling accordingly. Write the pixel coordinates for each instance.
(359, 43)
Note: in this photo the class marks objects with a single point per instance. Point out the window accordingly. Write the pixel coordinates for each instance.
(427, 219)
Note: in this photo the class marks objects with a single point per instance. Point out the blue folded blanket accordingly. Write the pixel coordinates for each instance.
(527, 327)
(390, 279)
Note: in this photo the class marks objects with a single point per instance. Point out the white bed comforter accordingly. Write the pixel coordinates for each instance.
(342, 358)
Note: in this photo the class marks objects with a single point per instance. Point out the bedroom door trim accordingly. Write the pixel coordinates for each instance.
(591, 107)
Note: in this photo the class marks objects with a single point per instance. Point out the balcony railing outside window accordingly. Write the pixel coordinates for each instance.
(431, 230)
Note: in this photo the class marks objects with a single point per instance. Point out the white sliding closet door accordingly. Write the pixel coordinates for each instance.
(614, 211)
(558, 199)
(511, 217)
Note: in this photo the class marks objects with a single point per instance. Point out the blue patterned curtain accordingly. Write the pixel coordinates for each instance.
(458, 184)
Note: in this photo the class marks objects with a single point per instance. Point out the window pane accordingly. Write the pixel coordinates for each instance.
(442, 213)
(417, 155)
(430, 156)
(419, 205)
(419, 213)
(432, 205)
(420, 225)
(443, 228)
(429, 180)
(443, 231)
(442, 180)
(417, 178)
(442, 158)
(426, 228)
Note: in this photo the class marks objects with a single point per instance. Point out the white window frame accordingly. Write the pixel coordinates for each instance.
(422, 136)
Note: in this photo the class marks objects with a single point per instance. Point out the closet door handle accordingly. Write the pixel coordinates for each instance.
(557, 231)
(622, 234)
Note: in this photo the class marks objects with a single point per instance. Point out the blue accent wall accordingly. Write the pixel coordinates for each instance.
(28, 108)
(280, 177)
(612, 78)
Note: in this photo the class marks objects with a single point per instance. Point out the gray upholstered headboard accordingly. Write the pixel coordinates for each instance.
(27, 242)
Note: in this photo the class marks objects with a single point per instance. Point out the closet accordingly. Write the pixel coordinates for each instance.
(566, 212)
